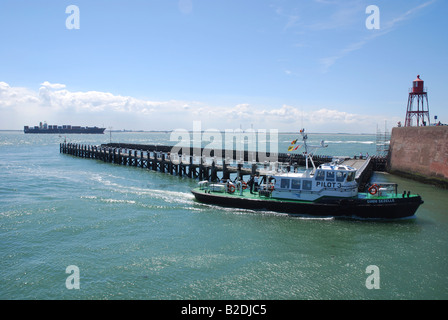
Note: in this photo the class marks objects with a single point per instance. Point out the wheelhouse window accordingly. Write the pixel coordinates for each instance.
(295, 184)
(351, 176)
(284, 183)
(330, 175)
(306, 184)
(320, 175)
(340, 176)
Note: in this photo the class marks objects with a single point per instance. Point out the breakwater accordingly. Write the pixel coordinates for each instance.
(420, 153)
(191, 163)
(230, 155)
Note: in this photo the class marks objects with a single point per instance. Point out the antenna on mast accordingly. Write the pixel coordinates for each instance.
(313, 148)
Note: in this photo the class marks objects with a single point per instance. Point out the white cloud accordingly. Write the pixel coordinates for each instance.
(15, 96)
(407, 14)
(21, 106)
(52, 102)
(91, 101)
(49, 85)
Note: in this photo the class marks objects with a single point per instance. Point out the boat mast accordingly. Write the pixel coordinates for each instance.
(309, 154)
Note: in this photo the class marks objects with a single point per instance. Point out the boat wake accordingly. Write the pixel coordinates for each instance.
(167, 196)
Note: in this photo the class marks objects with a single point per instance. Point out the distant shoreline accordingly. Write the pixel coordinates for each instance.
(168, 131)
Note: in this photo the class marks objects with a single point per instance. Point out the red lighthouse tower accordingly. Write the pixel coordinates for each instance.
(418, 106)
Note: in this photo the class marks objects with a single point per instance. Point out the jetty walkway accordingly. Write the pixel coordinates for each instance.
(193, 165)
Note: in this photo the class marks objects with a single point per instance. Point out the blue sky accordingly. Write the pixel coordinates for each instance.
(273, 64)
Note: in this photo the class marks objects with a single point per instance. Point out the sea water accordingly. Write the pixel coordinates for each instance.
(132, 233)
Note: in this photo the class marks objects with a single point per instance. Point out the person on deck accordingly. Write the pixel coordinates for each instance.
(250, 183)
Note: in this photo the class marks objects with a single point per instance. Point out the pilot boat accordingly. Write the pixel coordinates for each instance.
(330, 190)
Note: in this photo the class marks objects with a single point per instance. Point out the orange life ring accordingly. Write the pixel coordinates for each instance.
(231, 188)
(244, 184)
(373, 189)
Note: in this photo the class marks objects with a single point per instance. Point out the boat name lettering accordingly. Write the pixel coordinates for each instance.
(381, 201)
(328, 184)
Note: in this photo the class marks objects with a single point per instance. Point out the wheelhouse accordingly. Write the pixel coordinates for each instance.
(326, 180)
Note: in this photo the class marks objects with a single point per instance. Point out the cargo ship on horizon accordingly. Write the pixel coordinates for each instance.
(44, 128)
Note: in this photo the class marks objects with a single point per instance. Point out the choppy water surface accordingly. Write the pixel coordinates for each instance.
(138, 234)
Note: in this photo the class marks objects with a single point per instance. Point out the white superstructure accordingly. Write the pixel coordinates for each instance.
(329, 180)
